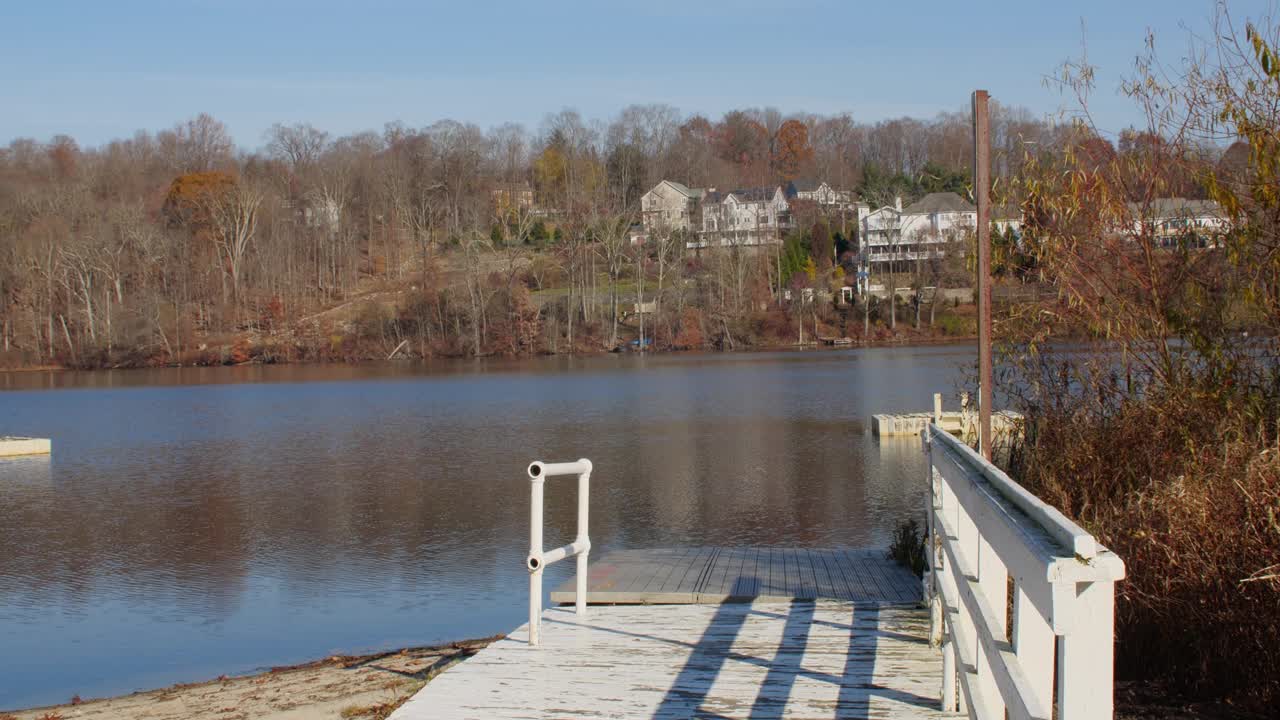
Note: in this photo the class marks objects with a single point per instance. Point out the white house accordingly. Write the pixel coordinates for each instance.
(1174, 220)
(829, 200)
(752, 216)
(893, 235)
(670, 206)
(820, 192)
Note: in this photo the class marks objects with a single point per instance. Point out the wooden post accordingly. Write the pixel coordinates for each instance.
(982, 196)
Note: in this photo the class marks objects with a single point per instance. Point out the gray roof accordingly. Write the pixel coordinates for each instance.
(755, 194)
(1177, 208)
(939, 202)
(684, 189)
(806, 184)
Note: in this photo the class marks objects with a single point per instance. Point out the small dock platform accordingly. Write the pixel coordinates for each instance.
(762, 574)
(709, 632)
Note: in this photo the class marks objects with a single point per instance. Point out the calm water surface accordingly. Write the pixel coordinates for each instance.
(196, 522)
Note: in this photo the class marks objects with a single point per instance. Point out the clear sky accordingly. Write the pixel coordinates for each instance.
(100, 69)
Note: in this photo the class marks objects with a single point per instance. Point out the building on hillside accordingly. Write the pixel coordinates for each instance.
(322, 212)
(821, 193)
(1006, 217)
(828, 201)
(670, 206)
(1178, 222)
(893, 236)
(513, 199)
(751, 216)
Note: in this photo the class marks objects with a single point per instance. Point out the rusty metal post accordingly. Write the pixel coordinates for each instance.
(982, 196)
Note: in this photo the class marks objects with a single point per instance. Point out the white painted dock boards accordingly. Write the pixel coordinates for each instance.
(714, 575)
(823, 659)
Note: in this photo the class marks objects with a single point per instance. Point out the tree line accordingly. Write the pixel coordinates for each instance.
(172, 247)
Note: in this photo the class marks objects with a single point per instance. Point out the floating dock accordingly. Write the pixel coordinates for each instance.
(963, 424)
(750, 574)
(17, 446)
(746, 633)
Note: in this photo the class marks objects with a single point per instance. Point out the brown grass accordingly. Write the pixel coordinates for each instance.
(1186, 489)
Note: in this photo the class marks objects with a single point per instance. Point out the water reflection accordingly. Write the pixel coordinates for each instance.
(196, 522)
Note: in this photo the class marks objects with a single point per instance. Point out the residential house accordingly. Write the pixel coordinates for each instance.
(894, 236)
(829, 201)
(513, 199)
(1179, 220)
(819, 192)
(1006, 217)
(670, 206)
(751, 216)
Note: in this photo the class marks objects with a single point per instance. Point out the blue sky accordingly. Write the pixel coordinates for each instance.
(101, 70)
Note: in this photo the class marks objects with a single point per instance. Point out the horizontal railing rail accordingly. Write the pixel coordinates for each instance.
(992, 543)
(539, 558)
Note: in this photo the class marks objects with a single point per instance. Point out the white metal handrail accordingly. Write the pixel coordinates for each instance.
(580, 547)
(990, 540)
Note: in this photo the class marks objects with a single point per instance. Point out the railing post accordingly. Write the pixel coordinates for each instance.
(948, 674)
(535, 557)
(584, 489)
(1086, 662)
(932, 503)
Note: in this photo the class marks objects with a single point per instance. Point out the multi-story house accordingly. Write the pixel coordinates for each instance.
(1175, 221)
(670, 206)
(893, 236)
(833, 204)
(821, 193)
(751, 216)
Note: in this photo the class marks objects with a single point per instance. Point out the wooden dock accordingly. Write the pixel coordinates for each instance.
(761, 574)
(740, 633)
(1020, 600)
(823, 659)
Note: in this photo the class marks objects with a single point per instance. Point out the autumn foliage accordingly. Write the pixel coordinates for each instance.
(1160, 435)
(188, 200)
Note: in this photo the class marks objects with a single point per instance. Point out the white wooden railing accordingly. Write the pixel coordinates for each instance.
(538, 559)
(993, 543)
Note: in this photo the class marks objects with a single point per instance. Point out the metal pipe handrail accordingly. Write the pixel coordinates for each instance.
(538, 558)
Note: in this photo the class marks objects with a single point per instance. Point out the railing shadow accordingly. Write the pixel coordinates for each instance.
(688, 692)
(710, 654)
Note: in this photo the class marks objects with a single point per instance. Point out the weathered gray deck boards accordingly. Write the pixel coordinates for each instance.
(715, 575)
(824, 659)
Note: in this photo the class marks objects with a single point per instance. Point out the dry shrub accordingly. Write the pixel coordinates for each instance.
(1186, 489)
(690, 335)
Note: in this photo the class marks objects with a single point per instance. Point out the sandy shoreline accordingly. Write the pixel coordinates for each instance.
(366, 686)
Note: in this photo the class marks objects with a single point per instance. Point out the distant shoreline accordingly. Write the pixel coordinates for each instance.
(921, 341)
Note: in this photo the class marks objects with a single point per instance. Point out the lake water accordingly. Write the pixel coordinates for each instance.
(206, 521)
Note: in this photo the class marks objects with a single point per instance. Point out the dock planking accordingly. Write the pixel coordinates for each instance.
(810, 659)
(715, 575)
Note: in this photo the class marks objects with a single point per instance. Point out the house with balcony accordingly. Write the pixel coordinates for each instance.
(746, 217)
(893, 237)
